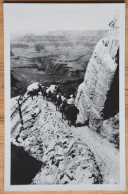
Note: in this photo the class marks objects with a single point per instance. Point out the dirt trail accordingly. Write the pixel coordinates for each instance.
(106, 155)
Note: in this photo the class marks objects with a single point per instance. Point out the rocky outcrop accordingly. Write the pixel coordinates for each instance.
(65, 159)
(92, 93)
(110, 130)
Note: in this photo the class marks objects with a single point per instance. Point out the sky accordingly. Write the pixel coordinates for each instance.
(41, 18)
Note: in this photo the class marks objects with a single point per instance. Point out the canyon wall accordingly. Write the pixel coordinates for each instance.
(92, 93)
(57, 52)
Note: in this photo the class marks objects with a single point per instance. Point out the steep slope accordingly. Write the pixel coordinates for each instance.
(48, 139)
(64, 152)
(93, 92)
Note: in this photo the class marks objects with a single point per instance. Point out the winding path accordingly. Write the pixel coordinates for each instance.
(106, 155)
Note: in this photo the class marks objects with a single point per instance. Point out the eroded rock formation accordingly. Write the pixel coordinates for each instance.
(92, 93)
(44, 136)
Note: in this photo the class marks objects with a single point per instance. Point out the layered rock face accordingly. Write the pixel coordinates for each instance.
(57, 56)
(57, 52)
(92, 93)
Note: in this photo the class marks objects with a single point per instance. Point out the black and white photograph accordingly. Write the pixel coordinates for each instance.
(64, 96)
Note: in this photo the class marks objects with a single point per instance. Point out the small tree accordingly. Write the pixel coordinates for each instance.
(19, 106)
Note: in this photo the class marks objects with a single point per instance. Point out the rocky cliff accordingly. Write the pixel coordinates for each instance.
(58, 57)
(93, 92)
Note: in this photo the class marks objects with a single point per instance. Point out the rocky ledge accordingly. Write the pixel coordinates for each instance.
(44, 136)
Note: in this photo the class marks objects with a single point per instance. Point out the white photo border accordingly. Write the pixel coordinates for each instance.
(8, 9)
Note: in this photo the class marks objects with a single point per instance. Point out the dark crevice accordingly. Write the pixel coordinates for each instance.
(111, 107)
(23, 166)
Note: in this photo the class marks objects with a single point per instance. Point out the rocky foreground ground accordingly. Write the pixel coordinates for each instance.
(69, 155)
